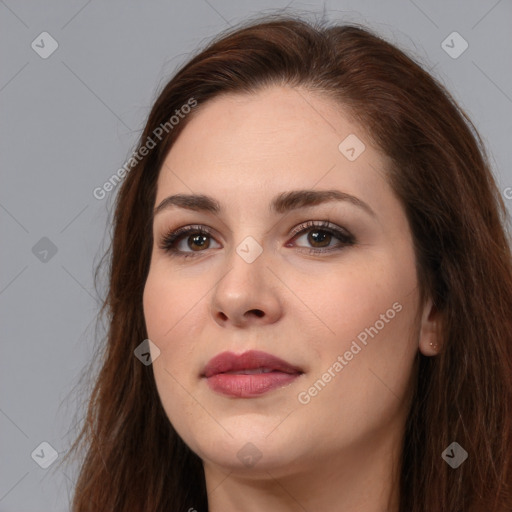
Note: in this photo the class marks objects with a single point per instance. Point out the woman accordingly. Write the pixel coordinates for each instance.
(312, 254)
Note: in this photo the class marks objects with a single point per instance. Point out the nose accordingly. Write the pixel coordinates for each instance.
(247, 294)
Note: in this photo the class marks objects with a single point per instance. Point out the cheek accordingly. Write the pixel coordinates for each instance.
(168, 304)
(371, 313)
(170, 318)
(352, 298)
(159, 305)
(175, 316)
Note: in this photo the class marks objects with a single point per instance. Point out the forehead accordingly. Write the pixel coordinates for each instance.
(257, 145)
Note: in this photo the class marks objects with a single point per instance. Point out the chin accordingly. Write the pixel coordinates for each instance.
(251, 449)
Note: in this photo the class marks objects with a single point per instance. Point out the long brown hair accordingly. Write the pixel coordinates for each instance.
(133, 458)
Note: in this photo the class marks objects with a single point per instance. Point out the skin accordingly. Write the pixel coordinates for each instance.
(340, 451)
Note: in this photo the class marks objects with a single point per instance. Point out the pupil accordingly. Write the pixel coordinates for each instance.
(198, 240)
(319, 237)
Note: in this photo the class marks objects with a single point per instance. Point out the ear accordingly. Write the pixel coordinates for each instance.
(430, 342)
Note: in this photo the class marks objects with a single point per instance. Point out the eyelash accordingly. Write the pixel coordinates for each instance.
(168, 241)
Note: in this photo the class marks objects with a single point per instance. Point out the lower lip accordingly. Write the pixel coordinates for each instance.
(247, 386)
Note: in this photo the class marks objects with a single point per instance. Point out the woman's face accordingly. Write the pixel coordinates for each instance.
(337, 303)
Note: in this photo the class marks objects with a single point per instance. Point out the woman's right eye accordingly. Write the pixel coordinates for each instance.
(187, 237)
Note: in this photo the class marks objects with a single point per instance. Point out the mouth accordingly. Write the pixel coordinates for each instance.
(250, 374)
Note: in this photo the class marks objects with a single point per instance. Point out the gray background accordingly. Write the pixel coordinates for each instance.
(69, 121)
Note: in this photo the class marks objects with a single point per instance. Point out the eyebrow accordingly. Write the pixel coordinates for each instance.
(282, 203)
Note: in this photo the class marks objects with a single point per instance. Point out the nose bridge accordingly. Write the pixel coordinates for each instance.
(247, 256)
(245, 290)
(247, 263)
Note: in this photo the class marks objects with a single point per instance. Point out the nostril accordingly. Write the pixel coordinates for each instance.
(257, 312)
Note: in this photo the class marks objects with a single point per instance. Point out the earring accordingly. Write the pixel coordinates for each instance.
(433, 345)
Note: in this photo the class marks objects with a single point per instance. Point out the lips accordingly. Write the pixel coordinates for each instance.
(249, 374)
(251, 361)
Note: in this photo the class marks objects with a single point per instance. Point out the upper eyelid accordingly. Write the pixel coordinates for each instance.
(320, 225)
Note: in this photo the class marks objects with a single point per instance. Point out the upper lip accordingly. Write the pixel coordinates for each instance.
(251, 360)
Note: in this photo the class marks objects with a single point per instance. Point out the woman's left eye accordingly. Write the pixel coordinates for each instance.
(319, 235)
